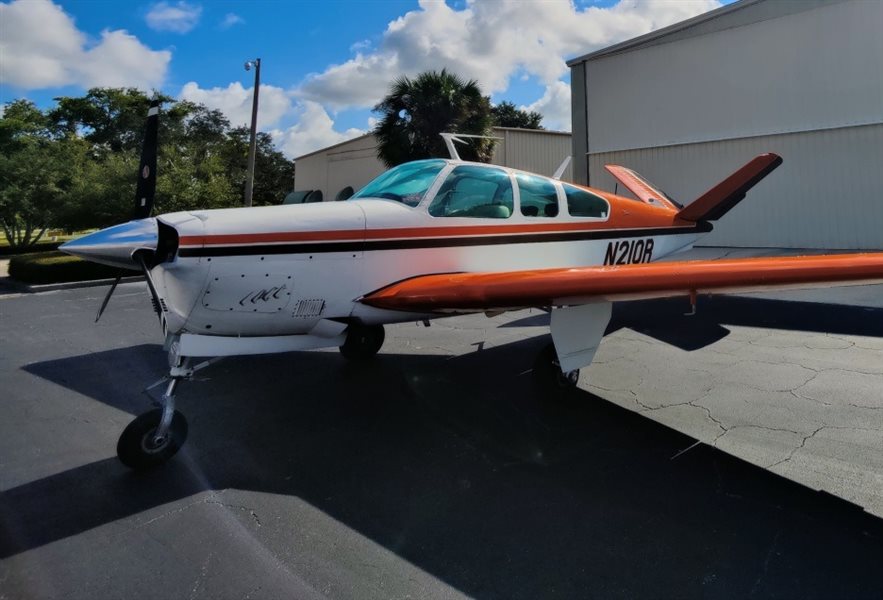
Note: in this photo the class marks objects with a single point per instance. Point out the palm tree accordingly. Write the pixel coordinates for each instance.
(417, 110)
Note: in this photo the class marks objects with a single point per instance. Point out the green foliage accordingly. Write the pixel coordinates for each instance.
(417, 110)
(35, 171)
(55, 267)
(506, 114)
(75, 166)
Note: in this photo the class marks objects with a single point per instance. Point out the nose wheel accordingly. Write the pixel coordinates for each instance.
(155, 436)
(140, 447)
(548, 374)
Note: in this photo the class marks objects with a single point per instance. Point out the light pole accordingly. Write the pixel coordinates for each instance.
(249, 182)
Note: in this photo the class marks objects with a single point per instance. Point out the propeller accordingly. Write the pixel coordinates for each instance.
(145, 192)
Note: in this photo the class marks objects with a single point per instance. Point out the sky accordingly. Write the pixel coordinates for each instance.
(324, 64)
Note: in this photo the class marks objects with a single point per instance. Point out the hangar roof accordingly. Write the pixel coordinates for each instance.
(725, 17)
(370, 134)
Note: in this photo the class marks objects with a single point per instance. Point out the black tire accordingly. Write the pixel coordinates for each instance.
(362, 341)
(548, 374)
(136, 449)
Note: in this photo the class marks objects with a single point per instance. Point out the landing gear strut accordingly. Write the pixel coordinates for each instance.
(155, 436)
(362, 341)
(548, 374)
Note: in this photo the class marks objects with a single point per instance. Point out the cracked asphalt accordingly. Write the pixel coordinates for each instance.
(737, 453)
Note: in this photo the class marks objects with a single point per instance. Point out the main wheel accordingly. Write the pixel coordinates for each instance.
(547, 371)
(137, 448)
(362, 341)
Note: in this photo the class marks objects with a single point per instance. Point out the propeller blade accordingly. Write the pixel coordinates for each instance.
(107, 298)
(146, 191)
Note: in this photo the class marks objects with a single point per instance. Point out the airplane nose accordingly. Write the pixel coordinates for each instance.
(115, 245)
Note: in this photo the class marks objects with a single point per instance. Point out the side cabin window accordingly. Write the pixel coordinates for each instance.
(538, 196)
(581, 203)
(470, 191)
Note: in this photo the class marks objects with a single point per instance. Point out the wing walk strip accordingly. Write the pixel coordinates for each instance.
(474, 291)
(266, 244)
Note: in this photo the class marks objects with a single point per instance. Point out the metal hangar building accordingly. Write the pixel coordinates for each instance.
(688, 104)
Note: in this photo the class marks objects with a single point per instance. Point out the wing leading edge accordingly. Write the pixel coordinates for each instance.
(570, 286)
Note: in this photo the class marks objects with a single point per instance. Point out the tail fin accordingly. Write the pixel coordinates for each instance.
(718, 201)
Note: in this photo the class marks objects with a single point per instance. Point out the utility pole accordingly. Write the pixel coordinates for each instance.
(249, 182)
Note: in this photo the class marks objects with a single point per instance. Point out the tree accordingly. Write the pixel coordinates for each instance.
(36, 169)
(417, 110)
(112, 119)
(506, 114)
(75, 166)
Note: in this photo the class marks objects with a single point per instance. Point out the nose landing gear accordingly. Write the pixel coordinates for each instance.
(155, 436)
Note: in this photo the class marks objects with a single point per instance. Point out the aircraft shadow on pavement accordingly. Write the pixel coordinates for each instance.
(665, 320)
(461, 467)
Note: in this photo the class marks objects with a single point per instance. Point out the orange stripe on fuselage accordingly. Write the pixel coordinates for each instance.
(625, 214)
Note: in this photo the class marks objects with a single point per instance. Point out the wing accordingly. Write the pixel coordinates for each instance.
(545, 287)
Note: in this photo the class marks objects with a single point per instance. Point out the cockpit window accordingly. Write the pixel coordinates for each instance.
(538, 196)
(469, 191)
(405, 183)
(581, 203)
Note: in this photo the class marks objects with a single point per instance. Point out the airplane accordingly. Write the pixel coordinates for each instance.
(426, 239)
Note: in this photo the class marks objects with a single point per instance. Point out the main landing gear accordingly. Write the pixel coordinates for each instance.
(548, 374)
(362, 341)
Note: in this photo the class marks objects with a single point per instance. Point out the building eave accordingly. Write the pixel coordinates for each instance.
(647, 38)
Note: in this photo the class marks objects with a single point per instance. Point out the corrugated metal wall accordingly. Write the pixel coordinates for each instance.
(815, 69)
(355, 162)
(537, 152)
(828, 193)
(352, 163)
(807, 84)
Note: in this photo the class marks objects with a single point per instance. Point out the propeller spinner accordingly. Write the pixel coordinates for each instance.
(124, 245)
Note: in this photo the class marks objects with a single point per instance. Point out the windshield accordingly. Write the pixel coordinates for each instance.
(405, 183)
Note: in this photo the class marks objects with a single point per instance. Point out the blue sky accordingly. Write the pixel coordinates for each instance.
(324, 64)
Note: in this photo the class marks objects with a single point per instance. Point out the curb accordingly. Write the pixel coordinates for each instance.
(70, 285)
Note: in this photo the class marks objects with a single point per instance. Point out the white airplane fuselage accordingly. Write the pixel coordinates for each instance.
(279, 270)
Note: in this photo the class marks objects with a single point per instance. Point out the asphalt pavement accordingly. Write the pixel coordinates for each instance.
(732, 454)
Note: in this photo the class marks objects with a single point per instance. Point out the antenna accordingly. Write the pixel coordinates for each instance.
(450, 138)
(560, 170)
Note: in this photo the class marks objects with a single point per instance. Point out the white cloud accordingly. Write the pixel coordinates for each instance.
(360, 46)
(177, 18)
(231, 19)
(235, 102)
(492, 41)
(313, 131)
(554, 106)
(41, 47)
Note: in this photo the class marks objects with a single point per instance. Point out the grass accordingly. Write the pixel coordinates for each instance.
(56, 267)
(46, 243)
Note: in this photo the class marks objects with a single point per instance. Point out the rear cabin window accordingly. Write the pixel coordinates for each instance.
(538, 196)
(470, 191)
(581, 203)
